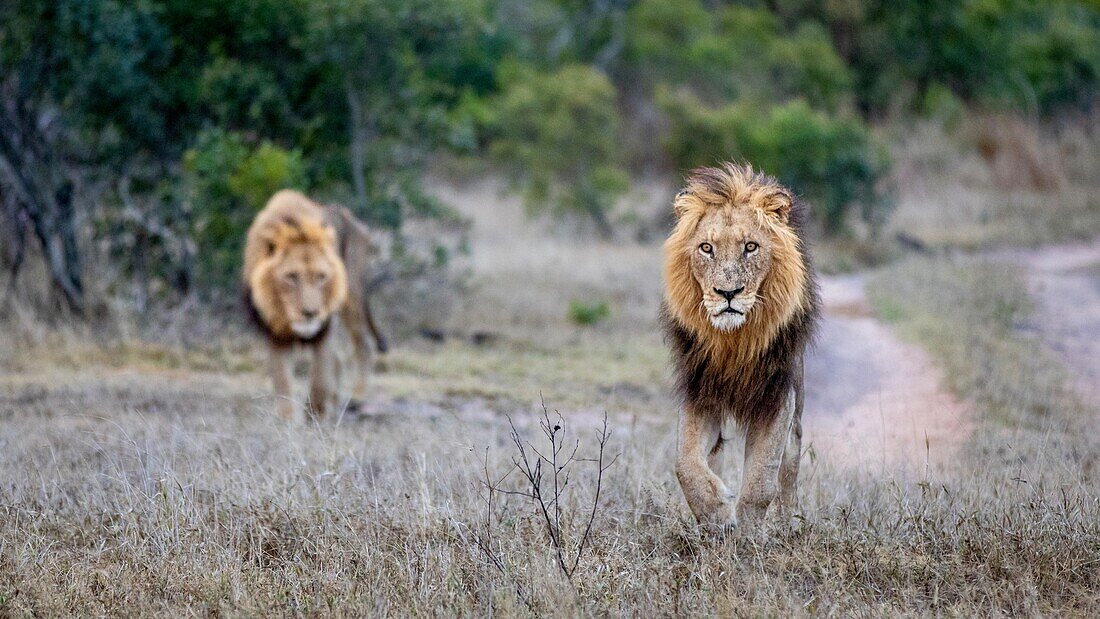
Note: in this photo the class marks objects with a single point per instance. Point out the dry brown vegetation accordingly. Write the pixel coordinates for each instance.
(180, 495)
(988, 181)
(148, 477)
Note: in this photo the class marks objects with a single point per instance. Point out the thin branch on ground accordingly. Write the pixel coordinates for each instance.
(532, 465)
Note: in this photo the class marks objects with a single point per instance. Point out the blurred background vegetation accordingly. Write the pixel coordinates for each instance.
(138, 137)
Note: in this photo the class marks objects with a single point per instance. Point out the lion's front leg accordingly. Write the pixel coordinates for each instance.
(765, 443)
(707, 495)
(321, 378)
(280, 380)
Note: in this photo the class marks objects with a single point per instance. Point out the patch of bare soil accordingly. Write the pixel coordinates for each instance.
(1064, 280)
(873, 402)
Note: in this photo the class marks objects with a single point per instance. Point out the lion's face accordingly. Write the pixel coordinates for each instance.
(298, 280)
(734, 271)
(731, 257)
(305, 287)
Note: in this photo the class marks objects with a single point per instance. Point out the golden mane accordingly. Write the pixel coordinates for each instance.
(787, 288)
(288, 220)
(306, 231)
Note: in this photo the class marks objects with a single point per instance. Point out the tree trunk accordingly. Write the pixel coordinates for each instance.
(46, 199)
(590, 201)
(356, 141)
(600, 217)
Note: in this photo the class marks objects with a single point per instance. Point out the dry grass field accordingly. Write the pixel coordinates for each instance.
(142, 477)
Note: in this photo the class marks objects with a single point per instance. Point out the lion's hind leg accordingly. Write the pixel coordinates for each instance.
(355, 322)
(707, 495)
(788, 469)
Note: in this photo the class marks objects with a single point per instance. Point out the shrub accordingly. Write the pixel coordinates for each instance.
(557, 133)
(588, 313)
(1000, 53)
(228, 181)
(830, 159)
(734, 52)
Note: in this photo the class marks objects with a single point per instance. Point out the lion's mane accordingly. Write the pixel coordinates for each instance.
(747, 372)
(289, 219)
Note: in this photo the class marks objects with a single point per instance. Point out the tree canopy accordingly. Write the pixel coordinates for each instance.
(157, 127)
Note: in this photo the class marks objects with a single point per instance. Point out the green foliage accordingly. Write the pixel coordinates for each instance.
(830, 159)
(1058, 57)
(734, 52)
(588, 313)
(358, 95)
(557, 134)
(229, 180)
(264, 171)
(1007, 53)
(398, 69)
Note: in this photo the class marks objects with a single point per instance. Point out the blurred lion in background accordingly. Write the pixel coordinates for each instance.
(740, 306)
(304, 265)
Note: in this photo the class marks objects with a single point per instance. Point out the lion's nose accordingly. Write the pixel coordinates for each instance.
(309, 314)
(729, 294)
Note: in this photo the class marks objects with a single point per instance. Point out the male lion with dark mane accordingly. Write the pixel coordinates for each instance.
(740, 306)
(303, 264)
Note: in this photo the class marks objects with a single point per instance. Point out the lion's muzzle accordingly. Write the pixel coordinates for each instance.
(306, 329)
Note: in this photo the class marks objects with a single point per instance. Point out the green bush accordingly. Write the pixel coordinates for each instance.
(1058, 57)
(734, 52)
(588, 313)
(557, 134)
(228, 181)
(1014, 54)
(832, 160)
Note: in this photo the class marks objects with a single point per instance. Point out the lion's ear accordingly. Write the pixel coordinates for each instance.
(270, 243)
(779, 204)
(680, 203)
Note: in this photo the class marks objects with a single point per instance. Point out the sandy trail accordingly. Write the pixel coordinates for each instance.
(1064, 280)
(873, 402)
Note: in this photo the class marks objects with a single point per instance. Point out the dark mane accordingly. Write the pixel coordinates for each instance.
(756, 391)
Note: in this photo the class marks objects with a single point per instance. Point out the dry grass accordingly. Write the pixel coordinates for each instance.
(137, 498)
(157, 490)
(149, 478)
(996, 181)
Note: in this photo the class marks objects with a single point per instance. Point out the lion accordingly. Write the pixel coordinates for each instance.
(304, 264)
(740, 306)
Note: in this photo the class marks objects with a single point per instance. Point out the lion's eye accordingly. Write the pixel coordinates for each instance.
(291, 278)
(706, 248)
(751, 247)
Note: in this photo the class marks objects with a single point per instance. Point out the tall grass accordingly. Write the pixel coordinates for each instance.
(144, 498)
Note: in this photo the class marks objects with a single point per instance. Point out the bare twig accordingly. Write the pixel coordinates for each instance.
(485, 543)
(602, 436)
(532, 464)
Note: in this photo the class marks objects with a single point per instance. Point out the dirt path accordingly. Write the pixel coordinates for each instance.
(1064, 280)
(873, 402)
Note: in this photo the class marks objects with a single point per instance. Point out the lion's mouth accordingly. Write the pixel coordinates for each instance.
(730, 310)
(307, 328)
